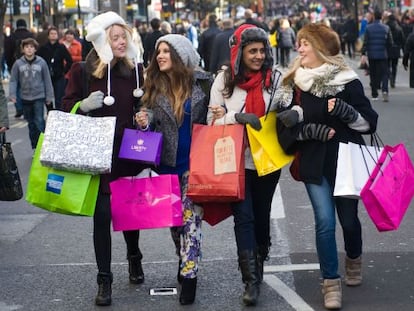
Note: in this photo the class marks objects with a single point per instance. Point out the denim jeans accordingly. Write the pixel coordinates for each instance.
(323, 204)
(252, 215)
(34, 114)
(59, 86)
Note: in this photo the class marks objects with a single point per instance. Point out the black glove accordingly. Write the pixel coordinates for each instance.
(314, 131)
(288, 117)
(343, 111)
(249, 118)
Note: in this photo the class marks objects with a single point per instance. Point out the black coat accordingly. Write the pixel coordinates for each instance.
(319, 158)
(220, 55)
(62, 61)
(409, 56)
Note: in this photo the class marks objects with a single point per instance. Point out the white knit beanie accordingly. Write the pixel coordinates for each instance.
(183, 47)
(96, 33)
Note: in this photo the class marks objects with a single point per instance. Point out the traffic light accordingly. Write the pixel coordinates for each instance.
(37, 10)
(391, 4)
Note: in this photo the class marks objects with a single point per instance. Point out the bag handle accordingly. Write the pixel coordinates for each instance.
(75, 107)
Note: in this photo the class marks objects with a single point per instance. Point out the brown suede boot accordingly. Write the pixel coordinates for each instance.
(353, 276)
(332, 292)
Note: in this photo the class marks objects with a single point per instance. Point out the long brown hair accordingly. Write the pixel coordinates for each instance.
(176, 85)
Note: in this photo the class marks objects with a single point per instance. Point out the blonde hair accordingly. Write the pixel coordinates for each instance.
(100, 66)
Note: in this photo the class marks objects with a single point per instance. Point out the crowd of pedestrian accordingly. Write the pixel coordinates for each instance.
(228, 72)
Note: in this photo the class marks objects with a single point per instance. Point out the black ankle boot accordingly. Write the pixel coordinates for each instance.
(250, 276)
(136, 274)
(180, 278)
(188, 291)
(105, 289)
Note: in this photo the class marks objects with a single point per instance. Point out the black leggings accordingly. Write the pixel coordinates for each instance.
(102, 235)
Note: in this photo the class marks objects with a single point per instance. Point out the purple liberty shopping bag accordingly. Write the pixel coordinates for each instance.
(141, 146)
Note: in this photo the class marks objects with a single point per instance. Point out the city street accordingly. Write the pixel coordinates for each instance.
(47, 260)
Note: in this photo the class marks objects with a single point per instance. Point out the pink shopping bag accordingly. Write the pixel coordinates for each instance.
(390, 188)
(141, 146)
(146, 203)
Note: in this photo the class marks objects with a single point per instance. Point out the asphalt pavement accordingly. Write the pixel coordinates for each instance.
(47, 260)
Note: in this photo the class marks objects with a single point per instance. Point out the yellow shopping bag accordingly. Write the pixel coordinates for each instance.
(268, 155)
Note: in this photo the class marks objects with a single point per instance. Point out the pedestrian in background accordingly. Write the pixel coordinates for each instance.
(206, 46)
(286, 39)
(398, 39)
(30, 74)
(220, 54)
(12, 52)
(150, 39)
(328, 107)
(175, 94)
(59, 62)
(241, 94)
(377, 42)
(408, 58)
(112, 90)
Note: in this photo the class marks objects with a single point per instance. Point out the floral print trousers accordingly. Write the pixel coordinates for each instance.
(187, 239)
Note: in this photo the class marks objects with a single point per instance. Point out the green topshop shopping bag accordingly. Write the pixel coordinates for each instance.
(61, 191)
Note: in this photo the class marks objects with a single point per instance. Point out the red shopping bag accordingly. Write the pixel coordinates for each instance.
(216, 163)
(390, 188)
(146, 203)
(215, 213)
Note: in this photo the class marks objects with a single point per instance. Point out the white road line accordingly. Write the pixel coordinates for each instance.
(277, 210)
(288, 294)
(292, 267)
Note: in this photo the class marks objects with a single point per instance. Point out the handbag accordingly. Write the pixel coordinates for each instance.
(146, 202)
(216, 163)
(10, 183)
(268, 155)
(78, 143)
(354, 165)
(59, 191)
(390, 188)
(141, 146)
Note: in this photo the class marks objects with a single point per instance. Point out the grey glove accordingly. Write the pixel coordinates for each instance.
(343, 111)
(288, 117)
(92, 102)
(249, 118)
(314, 131)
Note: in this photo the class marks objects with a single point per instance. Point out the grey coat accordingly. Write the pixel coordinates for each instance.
(164, 121)
(4, 116)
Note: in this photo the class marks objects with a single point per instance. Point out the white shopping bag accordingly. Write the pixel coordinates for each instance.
(355, 164)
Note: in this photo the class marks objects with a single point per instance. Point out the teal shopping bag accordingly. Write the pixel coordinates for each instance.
(59, 191)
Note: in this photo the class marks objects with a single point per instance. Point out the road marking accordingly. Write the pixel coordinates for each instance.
(277, 211)
(292, 267)
(6, 307)
(287, 293)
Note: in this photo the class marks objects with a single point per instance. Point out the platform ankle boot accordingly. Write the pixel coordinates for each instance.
(332, 294)
(188, 291)
(136, 274)
(250, 276)
(353, 274)
(104, 296)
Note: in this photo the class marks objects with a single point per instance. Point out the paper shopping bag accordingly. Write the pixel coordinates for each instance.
(61, 191)
(216, 163)
(214, 213)
(78, 143)
(354, 165)
(268, 155)
(141, 146)
(10, 183)
(146, 203)
(390, 188)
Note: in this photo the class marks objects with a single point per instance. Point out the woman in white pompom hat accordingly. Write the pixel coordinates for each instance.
(108, 85)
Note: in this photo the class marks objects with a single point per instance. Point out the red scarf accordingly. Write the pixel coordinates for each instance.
(254, 99)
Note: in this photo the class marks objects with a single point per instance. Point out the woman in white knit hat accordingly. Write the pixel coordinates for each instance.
(108, 85)
(176, 92)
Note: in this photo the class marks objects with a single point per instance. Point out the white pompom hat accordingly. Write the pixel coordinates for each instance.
(96, 34)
